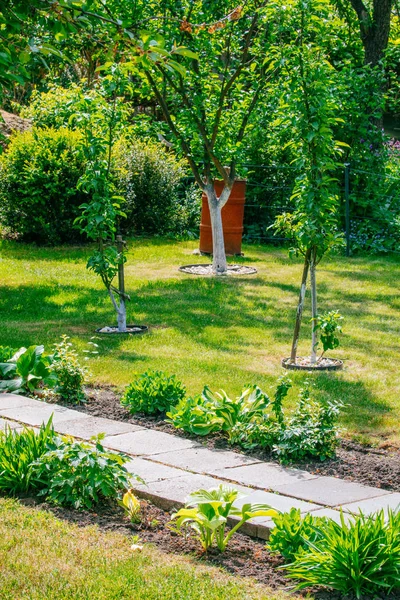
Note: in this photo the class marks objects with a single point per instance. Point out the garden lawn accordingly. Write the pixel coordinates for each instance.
(43, 557)
(224, 332)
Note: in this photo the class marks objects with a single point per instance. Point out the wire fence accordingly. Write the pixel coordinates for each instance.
(369, 205)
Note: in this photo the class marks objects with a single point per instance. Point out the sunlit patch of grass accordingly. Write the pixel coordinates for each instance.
(224, 332)
(43, 557)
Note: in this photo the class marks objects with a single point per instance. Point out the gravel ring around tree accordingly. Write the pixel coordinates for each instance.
(206, 269)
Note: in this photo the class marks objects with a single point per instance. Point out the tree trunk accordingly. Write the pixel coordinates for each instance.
(219, 265)
(314, 307)
(300, 307)
(121, 316)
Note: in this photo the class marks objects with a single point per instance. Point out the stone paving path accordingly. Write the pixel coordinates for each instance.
(173, 466)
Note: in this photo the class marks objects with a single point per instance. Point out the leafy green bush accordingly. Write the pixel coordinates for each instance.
(148, 176)
(207, 513)
(55, 107)
(80, 474)
(153, 392)
(39, 172)
(70, 373)
(18, 452)
(292, 533)
(27, 370)
(361, 557)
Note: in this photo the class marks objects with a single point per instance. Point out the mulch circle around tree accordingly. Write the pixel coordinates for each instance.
(354, 462)
(131, 329)
(207, 270)
(303, 363)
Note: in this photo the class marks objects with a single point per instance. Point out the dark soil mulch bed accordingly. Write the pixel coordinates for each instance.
(370, 466)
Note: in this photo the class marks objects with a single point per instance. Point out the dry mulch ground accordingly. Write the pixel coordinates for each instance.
(370, 466)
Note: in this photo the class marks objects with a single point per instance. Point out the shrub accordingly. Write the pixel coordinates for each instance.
(55, 107)
(207, 513)
(148, 176)
(18, 452)
(27, 371)
(153, 392)
(39, 199)
(361, 557)
(292, 533)
(80, 474)
(70, 374)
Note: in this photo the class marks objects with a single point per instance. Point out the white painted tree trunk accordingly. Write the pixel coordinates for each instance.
(215, 206)
(120, 310)
(314, 308)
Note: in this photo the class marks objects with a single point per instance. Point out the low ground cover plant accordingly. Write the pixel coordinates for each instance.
(292, 533)
(360, 557)
(153, 392)
(254, 420)
(18, 452)
(206, 512)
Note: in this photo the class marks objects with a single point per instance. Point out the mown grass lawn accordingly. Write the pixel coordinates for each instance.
(222, 332)
(43, 558)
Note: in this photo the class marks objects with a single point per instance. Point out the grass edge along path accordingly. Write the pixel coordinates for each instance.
(44, 557)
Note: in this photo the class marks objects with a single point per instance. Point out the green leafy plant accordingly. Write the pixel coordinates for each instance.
(27, 370)
(80, 474)
(153, 392)
(131, 505)
(39, 173)
(207, 513)
(195, 415)
(329, 327)
(311, 432)
(70, 373)
(18, 451)
(360, 557)
(292, 533)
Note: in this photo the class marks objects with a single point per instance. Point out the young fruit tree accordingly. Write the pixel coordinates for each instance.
(100, 123)
(310, 109)
(208, 93)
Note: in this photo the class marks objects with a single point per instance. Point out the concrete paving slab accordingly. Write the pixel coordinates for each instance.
(267, 476)
(330, 513)
(371, 505)
(171, 493)
(151, 471)
(330, 491)
(41, 413)
(8, 424)
(147, 442)
(15, 401)
(203, 460)
(87, 428)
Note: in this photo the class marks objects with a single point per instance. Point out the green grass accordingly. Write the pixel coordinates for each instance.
(223, 332)
(42, 557)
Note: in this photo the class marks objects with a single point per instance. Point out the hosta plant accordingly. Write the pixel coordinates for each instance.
(360, 557)
(153, 392)
(131, 505)
(195, 415)
(27, 370)
(207, 513)
(18, 451)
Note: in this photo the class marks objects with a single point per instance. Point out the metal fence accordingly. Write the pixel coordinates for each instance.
(370, 205)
